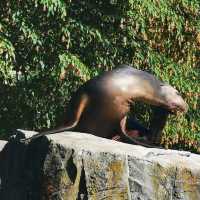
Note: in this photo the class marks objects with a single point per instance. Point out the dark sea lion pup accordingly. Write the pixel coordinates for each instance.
(101, 105)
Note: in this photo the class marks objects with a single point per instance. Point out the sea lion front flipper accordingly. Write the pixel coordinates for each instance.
(126, 138)
(157, 124)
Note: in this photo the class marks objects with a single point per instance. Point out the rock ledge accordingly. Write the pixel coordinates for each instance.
(79, 166)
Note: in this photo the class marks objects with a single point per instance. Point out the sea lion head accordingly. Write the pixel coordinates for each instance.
(173, 100)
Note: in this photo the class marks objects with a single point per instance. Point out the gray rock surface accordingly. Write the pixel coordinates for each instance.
(70, 166)
(2, 144)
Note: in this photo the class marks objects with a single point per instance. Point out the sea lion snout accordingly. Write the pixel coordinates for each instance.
(174, 102)
(180, 106)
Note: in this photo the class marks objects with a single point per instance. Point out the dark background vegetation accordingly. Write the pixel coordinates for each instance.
(49, 47)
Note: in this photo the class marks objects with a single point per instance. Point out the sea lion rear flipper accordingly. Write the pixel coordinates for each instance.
(79, 106)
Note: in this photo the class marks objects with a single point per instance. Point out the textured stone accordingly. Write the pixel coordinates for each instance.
(72, 166)
(2, 144)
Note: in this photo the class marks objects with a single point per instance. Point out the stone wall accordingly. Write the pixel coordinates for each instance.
(70, 166)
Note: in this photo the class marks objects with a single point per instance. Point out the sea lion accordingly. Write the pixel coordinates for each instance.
(100, 106)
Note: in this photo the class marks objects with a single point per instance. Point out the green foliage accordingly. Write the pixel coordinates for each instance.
(49, 47)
